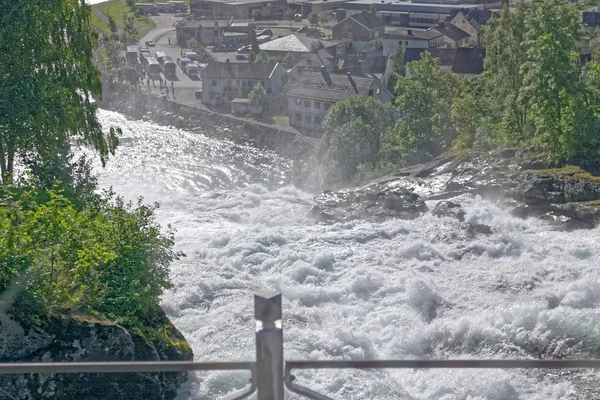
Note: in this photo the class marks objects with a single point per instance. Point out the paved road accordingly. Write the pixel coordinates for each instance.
(99, 13)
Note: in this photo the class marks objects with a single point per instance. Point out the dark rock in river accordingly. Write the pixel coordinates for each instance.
(373, 203)
(78, 338)
(449, 209)
(568, 195)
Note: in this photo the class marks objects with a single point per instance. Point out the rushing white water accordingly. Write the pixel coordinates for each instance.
(359, 290)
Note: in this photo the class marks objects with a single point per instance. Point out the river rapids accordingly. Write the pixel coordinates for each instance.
(359, 290)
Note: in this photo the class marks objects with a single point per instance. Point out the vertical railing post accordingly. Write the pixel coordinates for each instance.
(269, 346)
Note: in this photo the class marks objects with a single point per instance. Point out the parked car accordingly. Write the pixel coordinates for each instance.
(143, 48)
(241, 57)
(150, 43)
(267, 32)
(303, 29)
(244, 49)
(298, 17)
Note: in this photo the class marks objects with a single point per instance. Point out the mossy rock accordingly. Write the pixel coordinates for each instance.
(79, 337)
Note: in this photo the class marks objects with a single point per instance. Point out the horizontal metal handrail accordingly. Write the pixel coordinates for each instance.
(120, 367)
(517, 363)
(383, 364)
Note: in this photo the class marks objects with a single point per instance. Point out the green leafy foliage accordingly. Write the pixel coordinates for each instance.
(290, 15)
(47, 81)
(204, 56)
(424, 99)
(325, 18)
(106, 257)
(258, 97)
(353, 130)
(373, 9)
(313, 19)
(257, 14)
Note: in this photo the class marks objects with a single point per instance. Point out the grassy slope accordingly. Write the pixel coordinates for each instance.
(118, 9)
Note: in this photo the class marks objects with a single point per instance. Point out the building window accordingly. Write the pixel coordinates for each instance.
(317, 120)
(307, 119)
(378, 91)
(317, 105)
(406, 43)
(326, 106)
(349, 35)
(298, 102)
(299, 117)
(307, 103)
(371, 92)
(214, 82)
(244, 83)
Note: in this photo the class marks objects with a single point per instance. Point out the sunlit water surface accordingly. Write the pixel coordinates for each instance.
(359, 290)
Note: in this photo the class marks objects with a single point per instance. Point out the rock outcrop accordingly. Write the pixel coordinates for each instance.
(568, 196)
(76, 338)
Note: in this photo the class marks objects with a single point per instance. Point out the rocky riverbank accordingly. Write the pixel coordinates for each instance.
(566, 195)
(138, 104)
(77, 338)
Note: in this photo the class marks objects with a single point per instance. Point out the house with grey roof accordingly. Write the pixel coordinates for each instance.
(296, 44)
(463, 61)
(452, 36)
(408, 38)
(314, 62)
(362, 32)
(366, 64)
(471, 21)
(312, 95)
(224, 82)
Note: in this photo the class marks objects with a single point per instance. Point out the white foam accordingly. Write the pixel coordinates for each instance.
(397, 289)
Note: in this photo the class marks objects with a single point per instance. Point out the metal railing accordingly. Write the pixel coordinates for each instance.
(268, 375)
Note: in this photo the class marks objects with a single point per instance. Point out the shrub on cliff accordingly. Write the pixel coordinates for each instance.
(107, 257)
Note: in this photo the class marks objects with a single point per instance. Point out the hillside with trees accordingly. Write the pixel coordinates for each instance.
(535, 93)
(66, 249)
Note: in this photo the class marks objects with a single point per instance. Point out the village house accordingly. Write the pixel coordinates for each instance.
(314, 62)
(362, 32)
(296, 45)
(238, 9)
(408, 39)
(366, 64)
(471, 22)
(463, 61)
(206, 31)
(312, 95)
(451, 36)
(408, 13)
(224, 82)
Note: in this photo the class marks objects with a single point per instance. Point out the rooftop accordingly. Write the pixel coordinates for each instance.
(366, 19)
(313, 85)
(411, 34)
(409, 6)
(238, 70)
(449, 30)
(293, 43)
(206, 23)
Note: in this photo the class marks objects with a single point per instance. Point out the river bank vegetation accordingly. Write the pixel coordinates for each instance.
(63, 246)
(535, 93)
